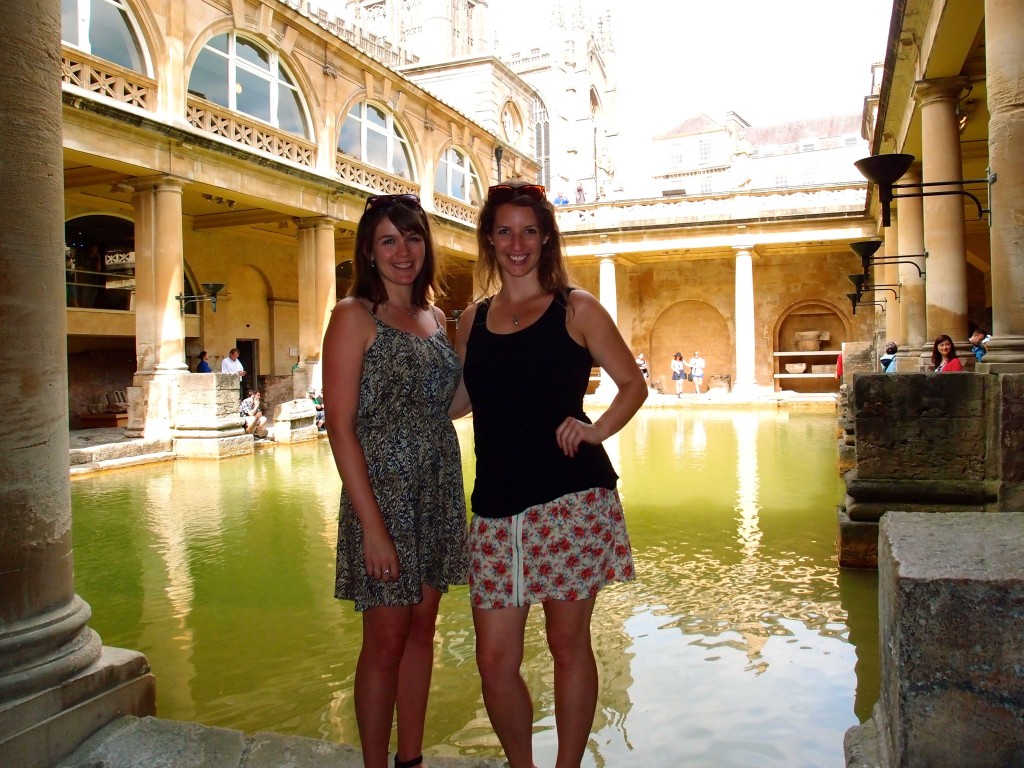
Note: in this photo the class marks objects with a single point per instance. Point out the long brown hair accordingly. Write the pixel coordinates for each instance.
(551, 269)
(408, 217)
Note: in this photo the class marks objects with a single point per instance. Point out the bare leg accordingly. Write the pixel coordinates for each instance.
(414, 674)
(568, 630)
(385, 630)
(499, 656)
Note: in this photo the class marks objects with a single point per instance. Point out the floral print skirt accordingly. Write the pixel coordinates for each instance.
(566, 549)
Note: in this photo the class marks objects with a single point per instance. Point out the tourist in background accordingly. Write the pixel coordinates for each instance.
(696, 364)
(979, 343)
(678, 372)
(203, 366)
(389, 376)
(231, 364)
(888, 360)
(249, 409)
(547, 524)
(944, 359)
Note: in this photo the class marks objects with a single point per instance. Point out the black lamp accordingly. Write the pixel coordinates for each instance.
(212, 289)
(884, 170)
(498, 152)
(866, 250)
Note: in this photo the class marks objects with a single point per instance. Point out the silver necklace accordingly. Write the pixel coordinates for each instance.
(413, 315)
(515, 319)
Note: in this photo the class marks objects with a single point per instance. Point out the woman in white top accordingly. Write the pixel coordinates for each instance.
(697, 371)
(678, 375)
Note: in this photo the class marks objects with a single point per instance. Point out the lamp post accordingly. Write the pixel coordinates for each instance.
(498, 152)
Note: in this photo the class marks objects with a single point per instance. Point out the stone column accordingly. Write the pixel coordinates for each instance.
(889, 274)
(52, 664)
(744, 315)
(1004, 63)
(910, 242)
(159, 325)
(610, 301)
(317, 291)
(945, 230)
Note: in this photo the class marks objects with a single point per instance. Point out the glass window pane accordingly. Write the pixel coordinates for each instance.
(401, 165)
(111, 36)
(376, 150)
(441, 178)
(252, 94)
(209, 78)
(218, 43)
(289, 111)
(349, 142)
(283, 76)
(69, 21)
(459, 184)
(250, 53)
(375, 116)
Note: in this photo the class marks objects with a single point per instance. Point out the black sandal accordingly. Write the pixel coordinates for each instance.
(418, 760)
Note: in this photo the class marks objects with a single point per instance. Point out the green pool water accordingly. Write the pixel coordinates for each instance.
(740, 644)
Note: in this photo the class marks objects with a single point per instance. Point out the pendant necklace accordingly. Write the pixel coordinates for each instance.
(515, 319)
(410, 314)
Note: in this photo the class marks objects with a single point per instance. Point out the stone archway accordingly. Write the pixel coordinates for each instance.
(805, 317)
(689, 326)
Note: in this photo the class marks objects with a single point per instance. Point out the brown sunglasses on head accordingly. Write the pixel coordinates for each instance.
(382, 201)
(502, 193)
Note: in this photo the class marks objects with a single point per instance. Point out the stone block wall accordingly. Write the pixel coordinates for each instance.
(930, 443)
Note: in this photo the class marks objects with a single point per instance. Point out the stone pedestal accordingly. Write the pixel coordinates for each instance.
(207, 424)
(951, 615)
(295, 421)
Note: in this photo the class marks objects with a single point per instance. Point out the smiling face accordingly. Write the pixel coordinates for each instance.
(517, 239)
(945, 347)
(399, 257)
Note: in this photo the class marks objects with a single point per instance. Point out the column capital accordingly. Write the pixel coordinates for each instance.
(316, 222)
(740, 248)
(605, 257)
(939, 89)
(162, 183)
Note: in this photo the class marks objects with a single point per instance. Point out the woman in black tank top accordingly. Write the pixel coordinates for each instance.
(547, 522)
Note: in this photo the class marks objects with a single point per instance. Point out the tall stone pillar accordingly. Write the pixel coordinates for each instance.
(945, 230)
(910, 243)
(317, 293)
(52, 664)
(610, 301)
(889, 274)
(1004, 63)
(159, 325)
(744, 315)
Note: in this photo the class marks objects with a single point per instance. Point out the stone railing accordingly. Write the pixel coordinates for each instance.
(104, 78)
(455, 209)
(351, 171)
(211, 118)
(737, 206)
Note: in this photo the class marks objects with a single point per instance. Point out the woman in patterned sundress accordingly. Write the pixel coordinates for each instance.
(389, 377)
(547, 523)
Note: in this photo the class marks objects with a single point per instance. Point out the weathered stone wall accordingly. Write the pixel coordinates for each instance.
(951, 614)
(930, 443)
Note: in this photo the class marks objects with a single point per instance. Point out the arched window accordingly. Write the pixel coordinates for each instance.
(542, 141)
(370, 135)
(457, 178)
(106, 29)
(242, 75)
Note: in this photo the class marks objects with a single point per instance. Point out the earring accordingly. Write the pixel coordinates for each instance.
(373, 263)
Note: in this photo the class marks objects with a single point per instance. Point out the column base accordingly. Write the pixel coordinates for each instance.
(41, 729)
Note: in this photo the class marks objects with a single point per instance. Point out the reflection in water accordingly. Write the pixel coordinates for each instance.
(734, 647)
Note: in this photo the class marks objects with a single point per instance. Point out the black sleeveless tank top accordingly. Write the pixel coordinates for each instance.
(522, 386)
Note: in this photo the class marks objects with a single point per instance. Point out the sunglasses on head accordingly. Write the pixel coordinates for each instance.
(501, 193)
(383, 201)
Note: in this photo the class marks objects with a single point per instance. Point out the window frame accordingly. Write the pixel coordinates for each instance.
(85, 44)
(395, 138)
(277, 75)
(474, 186)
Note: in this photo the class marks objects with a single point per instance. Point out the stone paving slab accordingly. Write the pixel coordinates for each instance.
(131, 742)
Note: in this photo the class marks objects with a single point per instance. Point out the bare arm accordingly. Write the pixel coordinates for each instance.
(461, 405)
(592, 326)
(349, 334)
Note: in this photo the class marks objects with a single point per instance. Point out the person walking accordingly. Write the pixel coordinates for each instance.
(390, 373)
(696, 364)
(678, 372)
(547, 524)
